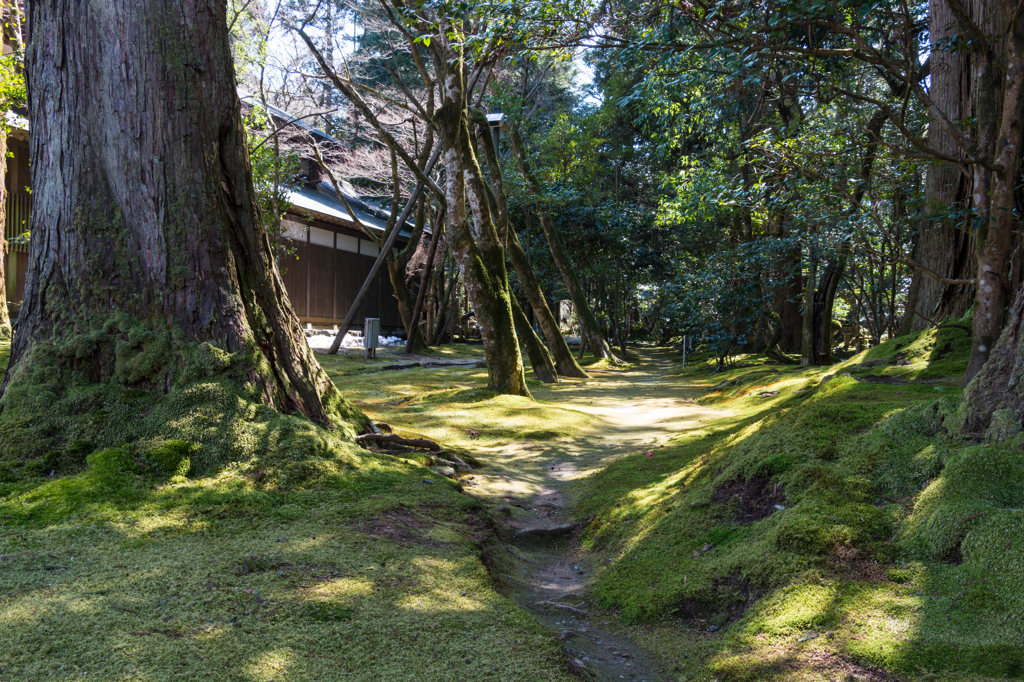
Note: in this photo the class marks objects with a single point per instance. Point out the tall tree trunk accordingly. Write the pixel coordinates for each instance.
(590, 329)
(11, 17)
(565, 363)
(1000, 132)
(475, 244)
(824, 305)
(540, 359)
(943, 245)
(147, 246)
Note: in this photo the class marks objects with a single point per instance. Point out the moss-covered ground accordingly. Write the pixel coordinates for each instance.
(352, 361)
(761, 523)
(836, 526)
(326, 562)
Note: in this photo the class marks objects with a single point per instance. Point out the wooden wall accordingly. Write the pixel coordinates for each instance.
(322, 281)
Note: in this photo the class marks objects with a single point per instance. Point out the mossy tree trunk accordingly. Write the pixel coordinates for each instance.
(145, 234)
(590, 328)
(471, 227)
(1000, 383)
(540, 359)
(564, 362)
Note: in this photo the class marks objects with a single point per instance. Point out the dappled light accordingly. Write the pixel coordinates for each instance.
(512, 341)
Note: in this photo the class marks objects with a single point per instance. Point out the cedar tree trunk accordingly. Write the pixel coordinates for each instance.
(144, 228)
(1000, 123)
(944, 246)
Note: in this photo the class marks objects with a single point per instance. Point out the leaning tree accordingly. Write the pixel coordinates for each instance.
(148, 264)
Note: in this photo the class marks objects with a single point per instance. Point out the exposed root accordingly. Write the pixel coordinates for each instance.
(421, 443)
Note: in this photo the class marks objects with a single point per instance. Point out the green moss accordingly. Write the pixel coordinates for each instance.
(115, 573)
(1005, 425)
(877, 504)
(172, 458)
(163, 390)
(975, 483)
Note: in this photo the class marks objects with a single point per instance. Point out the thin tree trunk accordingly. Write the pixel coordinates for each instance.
(145, 234)
(565, 363)
(412, 341)
(5, 319)
(540, 359)
(807, 346)
(11, 16)
(589, 326)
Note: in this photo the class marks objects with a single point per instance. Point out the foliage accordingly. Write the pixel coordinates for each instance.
(275, 170)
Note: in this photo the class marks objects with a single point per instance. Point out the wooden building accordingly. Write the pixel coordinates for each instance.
(333, 258)
(19, 203)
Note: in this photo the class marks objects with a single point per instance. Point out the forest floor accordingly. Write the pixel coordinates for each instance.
(530, 478)
(649, 523)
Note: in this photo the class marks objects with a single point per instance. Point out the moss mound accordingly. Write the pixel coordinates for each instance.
(170, 401)
(840, 499)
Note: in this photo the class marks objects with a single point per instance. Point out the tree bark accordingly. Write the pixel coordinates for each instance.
(564, 362)
(590, 329)
(475, 244)
(1000, 383)
(144, 227)
(1000, 124)
(944, 245)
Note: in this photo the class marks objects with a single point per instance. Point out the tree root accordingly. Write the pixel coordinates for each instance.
(421, 443)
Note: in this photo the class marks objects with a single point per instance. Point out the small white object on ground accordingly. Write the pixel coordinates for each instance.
(324, 339)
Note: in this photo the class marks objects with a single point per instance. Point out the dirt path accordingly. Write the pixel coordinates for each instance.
(532, 483)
